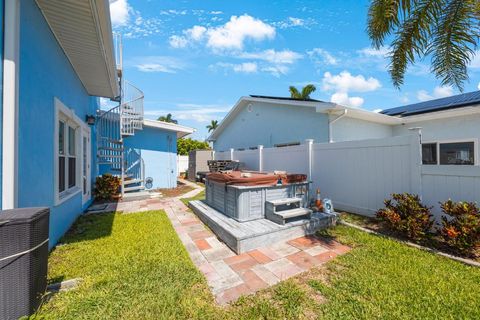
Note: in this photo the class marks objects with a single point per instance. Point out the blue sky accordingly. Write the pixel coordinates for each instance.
(195, 59)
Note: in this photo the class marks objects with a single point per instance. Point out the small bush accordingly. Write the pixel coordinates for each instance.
(106, 187)
(406, 214)
(461, 226)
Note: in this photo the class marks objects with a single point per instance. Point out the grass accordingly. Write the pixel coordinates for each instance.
(134, 267)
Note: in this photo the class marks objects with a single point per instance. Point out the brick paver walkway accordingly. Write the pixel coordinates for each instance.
(230, 275)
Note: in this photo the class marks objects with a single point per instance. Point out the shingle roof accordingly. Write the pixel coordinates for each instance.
(283, 98)
(458, 101)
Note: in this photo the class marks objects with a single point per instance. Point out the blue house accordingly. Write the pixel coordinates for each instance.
(57, 59)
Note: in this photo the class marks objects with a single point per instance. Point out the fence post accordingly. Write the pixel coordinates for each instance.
(416, 162)
(231, 153)
(309, 143)
(260, 158)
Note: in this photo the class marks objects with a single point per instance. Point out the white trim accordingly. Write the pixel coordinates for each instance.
(10, 105)
(476, 160)
(443, 114)
(86, 132)
(72, 120)
(182, 131)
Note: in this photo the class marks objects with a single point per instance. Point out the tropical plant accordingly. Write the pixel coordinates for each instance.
(185, 145)
(167, 118)
(106, 187)
(213, 125)
(461, 226)
(304, 94)
(406, 214)
(445, 30)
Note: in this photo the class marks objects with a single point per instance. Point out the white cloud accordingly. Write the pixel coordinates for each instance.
(157, 64)
(190, 111)
(382, 52)
(119, 12)
(478, 86)
(377, 110)
(231, 35)
(345, 81)
(475, 62)
(216, 12)
(322, 57)
(438, 92)
(246, 67)
(293, 22)
(177, 41)
(273, 56)
(343, 99)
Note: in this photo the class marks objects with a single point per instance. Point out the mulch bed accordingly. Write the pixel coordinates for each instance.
(434, 242)
(181, 188)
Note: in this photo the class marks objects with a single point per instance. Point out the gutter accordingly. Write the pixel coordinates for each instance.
(331, 122)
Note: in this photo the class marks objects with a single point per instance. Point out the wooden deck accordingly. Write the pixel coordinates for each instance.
(245, 236)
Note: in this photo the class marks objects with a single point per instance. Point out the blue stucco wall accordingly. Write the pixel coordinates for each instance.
(159, 152)
(269, 124)
(45, 73)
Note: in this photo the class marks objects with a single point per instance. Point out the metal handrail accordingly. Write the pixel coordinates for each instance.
(131, 108)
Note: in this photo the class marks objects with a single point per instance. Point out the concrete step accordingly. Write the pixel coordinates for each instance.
(131, 189)
(132, 181)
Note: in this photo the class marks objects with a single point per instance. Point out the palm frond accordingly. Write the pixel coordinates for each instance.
(307, 90)
(412, 38)
(454, 42)
(294, 93)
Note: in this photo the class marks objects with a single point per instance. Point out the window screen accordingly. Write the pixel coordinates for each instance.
(457, 153)
(429, 153)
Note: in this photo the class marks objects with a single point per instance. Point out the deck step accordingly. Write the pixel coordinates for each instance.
(133, 188)
(285, 216)
(280, 202)
(116, 156)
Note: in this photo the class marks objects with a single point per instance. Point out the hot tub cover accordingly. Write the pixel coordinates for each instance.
(256, 179)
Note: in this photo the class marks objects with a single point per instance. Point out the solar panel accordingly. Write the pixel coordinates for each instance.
(457, 101)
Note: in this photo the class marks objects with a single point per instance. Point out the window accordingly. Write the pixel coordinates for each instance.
(429, 153)
(68, 165)
(449, 153)
(457, 153)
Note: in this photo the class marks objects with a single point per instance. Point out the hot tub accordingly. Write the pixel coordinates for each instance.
(243, 198)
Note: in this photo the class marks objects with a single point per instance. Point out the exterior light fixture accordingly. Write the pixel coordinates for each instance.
(90, 120)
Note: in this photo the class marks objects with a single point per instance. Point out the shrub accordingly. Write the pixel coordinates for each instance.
(106, 187)
(406, 214)
(461, 227)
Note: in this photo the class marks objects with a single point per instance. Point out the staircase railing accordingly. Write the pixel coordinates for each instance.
(134, 165)
(109, 138)
(131, 108)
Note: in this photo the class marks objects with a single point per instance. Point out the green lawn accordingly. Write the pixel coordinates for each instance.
(135, 267)
(199, 196)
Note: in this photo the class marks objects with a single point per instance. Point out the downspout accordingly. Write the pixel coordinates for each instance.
(10, 104)
(330, 123)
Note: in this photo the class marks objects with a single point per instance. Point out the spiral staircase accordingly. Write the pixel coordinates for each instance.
(116, 124)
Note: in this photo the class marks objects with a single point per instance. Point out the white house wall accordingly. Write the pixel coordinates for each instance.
(349, 129)
(454, 128)
(268, 124)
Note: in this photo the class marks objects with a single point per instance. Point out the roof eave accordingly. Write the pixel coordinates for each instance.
(74, 23)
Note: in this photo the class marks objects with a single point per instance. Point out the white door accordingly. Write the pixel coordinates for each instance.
(86, 159)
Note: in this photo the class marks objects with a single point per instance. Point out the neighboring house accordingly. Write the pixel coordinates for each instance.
(58, 58)
(449, 126)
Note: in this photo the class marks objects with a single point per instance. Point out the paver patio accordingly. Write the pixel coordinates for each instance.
(230, 275)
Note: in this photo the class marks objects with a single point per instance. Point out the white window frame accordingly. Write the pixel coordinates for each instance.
(476, 161)
(68, 116)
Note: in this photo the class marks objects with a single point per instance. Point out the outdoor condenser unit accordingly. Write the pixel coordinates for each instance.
(23, 260)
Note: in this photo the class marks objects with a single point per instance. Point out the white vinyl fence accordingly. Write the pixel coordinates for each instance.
(359, 175)
(182, 164)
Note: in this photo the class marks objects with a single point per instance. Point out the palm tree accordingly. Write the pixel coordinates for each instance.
(167, 118)
(304, 95)
(445, 30)
(212, 126)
